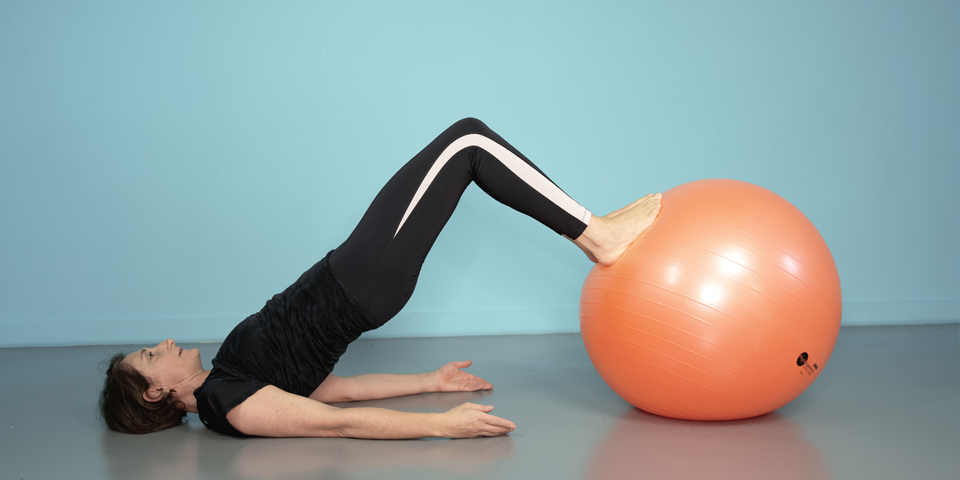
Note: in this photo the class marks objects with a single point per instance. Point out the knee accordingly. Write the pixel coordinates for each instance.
(470, 125)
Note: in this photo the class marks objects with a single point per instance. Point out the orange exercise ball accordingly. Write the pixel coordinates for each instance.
(727, 307)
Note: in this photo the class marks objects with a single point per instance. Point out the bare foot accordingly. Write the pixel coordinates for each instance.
(607, 237)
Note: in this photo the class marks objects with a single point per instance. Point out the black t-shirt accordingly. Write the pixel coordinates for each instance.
(292, 343)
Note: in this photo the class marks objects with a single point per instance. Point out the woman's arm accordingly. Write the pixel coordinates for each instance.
(371, 386)
(271, 412)
(448, 378)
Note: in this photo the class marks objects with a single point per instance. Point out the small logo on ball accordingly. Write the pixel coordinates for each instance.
(802, 359)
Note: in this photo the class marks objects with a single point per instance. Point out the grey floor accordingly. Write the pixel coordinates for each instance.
(887, 406)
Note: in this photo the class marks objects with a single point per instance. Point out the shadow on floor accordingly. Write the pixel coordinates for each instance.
(641, 444)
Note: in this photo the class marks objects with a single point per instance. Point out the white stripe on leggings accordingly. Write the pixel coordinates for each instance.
(516, 165)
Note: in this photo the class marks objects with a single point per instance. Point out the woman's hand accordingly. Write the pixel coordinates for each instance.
(472, 420)
(450, 378)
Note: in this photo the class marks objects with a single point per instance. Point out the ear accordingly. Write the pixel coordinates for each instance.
(153, 394)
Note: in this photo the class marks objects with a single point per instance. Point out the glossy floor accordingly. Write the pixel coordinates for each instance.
(887, 406)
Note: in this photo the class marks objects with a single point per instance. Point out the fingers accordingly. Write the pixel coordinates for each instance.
(459, 380)
(478, 423)
(500, 422)
(497, 425)
(476, 406)
(461, 363)
(493, 425)
(491, 419)
(474, 383)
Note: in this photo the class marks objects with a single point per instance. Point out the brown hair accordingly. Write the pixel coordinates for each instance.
(124, 408)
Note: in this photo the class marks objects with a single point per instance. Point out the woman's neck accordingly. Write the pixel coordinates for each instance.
(185, 392)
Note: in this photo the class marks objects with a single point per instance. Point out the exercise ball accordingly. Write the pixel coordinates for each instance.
(727, 307)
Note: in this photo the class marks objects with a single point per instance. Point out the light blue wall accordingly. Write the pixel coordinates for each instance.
(165, 167)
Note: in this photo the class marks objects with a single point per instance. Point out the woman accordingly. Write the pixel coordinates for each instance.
(271, 376)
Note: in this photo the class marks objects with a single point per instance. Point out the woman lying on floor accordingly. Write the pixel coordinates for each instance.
(272, 375)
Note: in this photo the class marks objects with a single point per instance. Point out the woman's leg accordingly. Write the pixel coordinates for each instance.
(380, 262)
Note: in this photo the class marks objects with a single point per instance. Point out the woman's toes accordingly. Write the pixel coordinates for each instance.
(628, 207)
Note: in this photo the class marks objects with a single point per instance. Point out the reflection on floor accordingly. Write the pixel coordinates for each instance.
(887, 406)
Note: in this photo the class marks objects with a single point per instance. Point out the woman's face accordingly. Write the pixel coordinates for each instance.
(166, 364)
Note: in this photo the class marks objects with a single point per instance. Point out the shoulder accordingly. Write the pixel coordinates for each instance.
(219, 395)
(272, 412)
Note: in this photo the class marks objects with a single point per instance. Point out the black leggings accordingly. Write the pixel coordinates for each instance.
(380, 262)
